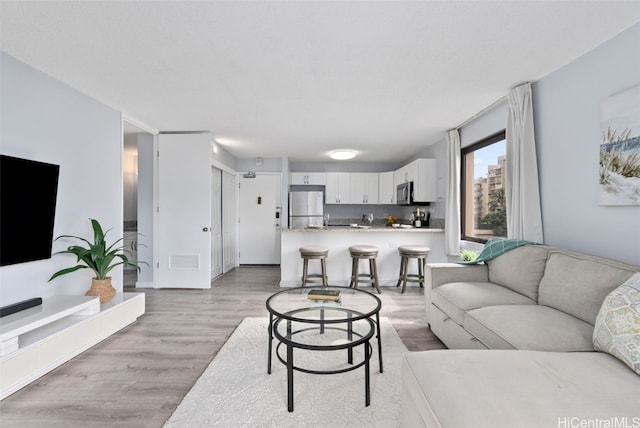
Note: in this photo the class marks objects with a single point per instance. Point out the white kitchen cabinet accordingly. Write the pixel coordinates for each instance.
(405, 174)
(411, 171)
(364, 188)
(371, 188)
(401, 175)
(308, 178)
(423, 172)
(337, 189)
(386, 188)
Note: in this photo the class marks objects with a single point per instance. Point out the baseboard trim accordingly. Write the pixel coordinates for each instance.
(140, 284)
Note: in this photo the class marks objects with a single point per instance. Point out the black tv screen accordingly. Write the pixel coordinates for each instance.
(28, 191)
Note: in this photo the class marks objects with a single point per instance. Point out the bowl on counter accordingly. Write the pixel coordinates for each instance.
(354, 225)
(395, 225)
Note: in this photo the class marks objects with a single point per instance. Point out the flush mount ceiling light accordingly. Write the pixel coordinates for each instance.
(342, 154)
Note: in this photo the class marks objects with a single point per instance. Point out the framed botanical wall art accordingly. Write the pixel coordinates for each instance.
(620, 149)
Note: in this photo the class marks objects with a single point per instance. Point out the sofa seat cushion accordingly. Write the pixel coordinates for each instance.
(452, 334)
(455, 298)
(529, 327)
(468, 388)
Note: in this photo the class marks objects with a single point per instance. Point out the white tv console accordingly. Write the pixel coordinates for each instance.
(37, 340)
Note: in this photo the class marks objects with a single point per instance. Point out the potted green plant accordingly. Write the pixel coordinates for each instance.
(468, 255)
(98, 256)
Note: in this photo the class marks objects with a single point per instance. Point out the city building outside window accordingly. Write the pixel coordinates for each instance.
(483, 202)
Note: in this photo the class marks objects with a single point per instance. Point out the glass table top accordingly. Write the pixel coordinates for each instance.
(293, 304)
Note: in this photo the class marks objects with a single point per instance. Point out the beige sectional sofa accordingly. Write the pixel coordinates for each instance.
(535, 308)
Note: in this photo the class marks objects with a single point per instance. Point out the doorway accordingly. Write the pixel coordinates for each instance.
(137, 170)
(260, 219)
(216, 223)
(229, 221)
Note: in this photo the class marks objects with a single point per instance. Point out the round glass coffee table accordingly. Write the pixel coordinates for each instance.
(298, 322)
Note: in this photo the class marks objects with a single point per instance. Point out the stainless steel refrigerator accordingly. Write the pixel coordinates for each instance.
(306, 208)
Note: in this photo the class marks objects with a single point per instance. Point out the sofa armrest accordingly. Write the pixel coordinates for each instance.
(443, 273)
(437, 274)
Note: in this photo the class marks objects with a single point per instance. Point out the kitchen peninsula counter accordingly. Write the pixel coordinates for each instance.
(363, 229)
(338, 239)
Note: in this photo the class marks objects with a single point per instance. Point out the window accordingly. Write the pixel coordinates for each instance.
(483, 205)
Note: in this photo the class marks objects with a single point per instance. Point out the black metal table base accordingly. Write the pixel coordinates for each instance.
(290, 344)
(292, 305)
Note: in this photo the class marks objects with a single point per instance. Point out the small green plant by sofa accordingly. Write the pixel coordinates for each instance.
(468, 255)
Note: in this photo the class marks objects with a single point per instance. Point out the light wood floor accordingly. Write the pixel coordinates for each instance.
(137, 377)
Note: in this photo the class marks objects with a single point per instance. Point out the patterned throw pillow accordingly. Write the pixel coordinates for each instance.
(617, 328)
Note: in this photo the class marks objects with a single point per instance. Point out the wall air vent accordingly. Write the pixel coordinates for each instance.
(184, 262)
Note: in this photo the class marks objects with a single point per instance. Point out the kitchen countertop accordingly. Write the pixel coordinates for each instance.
(362, 229)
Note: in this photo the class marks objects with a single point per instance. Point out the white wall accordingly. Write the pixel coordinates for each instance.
(45, 120)
(567, 105)
(224, 157)
(491, 122)
(566, 108)
(268, 165)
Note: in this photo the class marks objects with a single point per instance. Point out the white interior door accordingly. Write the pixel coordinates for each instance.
(260, 219)
(184, 210)
(216, 222)
(229, 221)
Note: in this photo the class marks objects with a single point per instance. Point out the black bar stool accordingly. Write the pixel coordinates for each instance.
(364, 252)
(407, 252)
(316, 253)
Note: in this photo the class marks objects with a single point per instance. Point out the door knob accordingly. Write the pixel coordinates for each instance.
(205, 229)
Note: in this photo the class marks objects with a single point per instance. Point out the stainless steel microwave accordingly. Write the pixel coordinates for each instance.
(404, 193)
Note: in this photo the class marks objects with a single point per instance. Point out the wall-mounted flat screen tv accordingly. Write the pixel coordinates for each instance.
(28, 191)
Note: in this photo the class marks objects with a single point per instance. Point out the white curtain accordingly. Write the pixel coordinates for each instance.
(524, 218)
(452, 209)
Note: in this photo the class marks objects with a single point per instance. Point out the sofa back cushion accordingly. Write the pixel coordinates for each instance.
(520, 269)
(577, 283)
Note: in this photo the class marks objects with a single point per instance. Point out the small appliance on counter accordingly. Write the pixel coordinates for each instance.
(421, 218)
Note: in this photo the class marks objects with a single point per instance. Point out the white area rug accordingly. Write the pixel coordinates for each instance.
(236, 391)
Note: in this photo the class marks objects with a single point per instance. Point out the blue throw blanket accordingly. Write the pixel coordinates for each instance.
(497, 246)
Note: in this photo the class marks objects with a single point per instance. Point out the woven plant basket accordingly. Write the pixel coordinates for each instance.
(101, 288)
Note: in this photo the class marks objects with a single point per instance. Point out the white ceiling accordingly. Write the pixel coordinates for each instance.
(301, 78)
